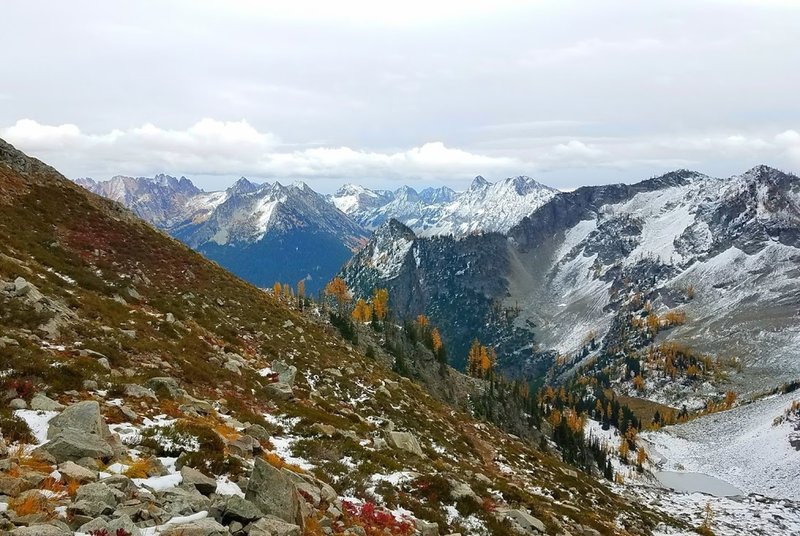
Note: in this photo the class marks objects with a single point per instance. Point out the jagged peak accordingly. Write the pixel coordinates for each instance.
(406, 193)
(242, 186)
(762, 171)
(479, 183)
(394, 228)
(437, 195)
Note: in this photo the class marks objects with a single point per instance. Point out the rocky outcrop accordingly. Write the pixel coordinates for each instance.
(273, 492)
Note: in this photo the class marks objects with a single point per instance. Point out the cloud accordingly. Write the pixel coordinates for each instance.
(228, 149)
(790, 142)
(211, 147)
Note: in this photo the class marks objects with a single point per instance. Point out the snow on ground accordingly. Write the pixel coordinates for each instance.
(37, 422)
(740, 446)
(753, 515)
(226, 487)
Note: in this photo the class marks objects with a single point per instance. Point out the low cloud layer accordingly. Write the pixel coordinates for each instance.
(228, 149)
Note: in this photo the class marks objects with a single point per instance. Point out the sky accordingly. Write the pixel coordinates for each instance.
(390, 93)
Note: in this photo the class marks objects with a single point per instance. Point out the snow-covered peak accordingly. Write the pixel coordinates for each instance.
(479, 183)
(242, 186)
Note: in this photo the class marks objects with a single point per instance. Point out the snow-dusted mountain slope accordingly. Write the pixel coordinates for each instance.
(264, 233)
(485, 206)
(750, 447)
(724, 251)
(162, 200)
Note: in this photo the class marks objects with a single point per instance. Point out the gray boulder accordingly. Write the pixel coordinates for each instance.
(72, 445)
(272, 526)
(17, 403)
(166, 386)
(404, 441)
(286, 373)
(40, 402)
(202, 527)
(41, 530)
(84, 417)
(280, 391)
(202, 483)
(71, 471)
(137, 391)
(526, 521)
(98, 496)
(426, 528)
(241, 510)
(273, 492)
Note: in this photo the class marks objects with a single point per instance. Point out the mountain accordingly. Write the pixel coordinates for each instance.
(676, 298)
(147, 390)
(175, 398)
(484, 207)
(565, 270)
(264, 233)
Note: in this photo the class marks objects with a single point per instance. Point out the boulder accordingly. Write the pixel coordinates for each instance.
(98, 496)
(238, 509)
(404, 441)
(286, 373)
(526, 521)
(201, 527)
(40, 402)
(426, 528)
(165, 385)
(13, 486)
(202, 483)
(17, 403)
(22, 288)
(273, 492)
(280, 391)
(84, 417)
(121, 483)
(257, 431)
(133, 390)
(41, 530)
(71, 471)
(72, 445)
(272, 526)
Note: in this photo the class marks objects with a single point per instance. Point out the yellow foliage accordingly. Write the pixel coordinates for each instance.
(338, 289)
(140, 468)
(362, 312)
(278, 462)
(380, 303)
(436, 337)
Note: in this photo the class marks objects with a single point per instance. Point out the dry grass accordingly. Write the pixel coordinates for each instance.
(29, 462)
(278, 462)
(32, 503)
(140, 468)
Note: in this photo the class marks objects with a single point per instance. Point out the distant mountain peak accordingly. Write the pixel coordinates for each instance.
(242, 186)
(479, 183)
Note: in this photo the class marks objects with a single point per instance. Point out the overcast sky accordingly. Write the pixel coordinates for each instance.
(426, 92)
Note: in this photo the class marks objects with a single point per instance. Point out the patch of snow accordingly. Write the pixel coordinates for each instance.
(37, 422)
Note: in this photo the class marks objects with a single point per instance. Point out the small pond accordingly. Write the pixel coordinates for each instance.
(688, 482)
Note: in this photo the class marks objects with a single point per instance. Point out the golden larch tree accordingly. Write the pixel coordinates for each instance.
(362, 312)
(380, 303)
(338, 289)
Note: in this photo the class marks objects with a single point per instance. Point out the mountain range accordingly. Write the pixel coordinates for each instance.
(270, 232)
(725, 252)
(147, 390)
